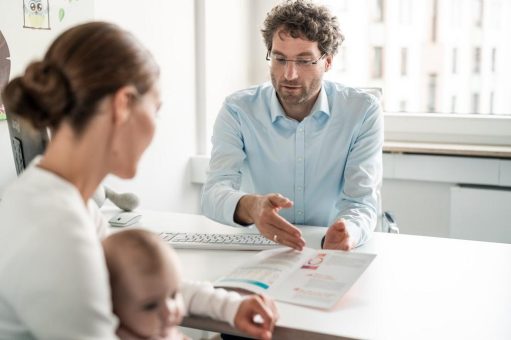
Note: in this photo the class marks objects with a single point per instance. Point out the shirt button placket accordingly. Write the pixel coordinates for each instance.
(299, 203)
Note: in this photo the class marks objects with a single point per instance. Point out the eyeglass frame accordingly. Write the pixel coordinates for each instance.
(298, 62)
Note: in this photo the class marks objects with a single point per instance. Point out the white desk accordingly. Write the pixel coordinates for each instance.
(416, 288)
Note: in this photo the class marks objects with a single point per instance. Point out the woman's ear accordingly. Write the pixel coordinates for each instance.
(123, 100)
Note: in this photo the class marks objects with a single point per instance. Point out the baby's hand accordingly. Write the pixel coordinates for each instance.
(174, 334)
(256, 316)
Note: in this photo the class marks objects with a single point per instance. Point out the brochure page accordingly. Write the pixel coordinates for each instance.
(314, 278)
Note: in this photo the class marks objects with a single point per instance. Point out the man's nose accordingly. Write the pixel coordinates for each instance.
(290, 70)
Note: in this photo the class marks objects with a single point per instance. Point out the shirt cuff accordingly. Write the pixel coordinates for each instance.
(230, 207)
(355, 233)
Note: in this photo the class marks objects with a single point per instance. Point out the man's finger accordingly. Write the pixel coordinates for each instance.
(339, 225)
(279, 201)
(288, 239)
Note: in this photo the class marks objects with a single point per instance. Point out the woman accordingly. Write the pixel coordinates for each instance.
(97, 90)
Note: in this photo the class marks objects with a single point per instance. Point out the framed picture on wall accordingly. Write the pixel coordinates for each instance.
(36, 14)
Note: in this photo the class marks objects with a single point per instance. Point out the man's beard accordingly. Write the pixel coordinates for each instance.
(304, 94)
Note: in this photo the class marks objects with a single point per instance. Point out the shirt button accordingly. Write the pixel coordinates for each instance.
(300, 159)
(299, 188)
(299, 212)
(300, 129)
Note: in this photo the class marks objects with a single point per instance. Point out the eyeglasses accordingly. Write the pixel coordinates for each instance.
(275, 60)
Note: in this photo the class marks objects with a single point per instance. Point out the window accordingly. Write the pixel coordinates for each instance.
(478, 12)
(343, 59)
(452, 52)
(432, 92)
(475, 102)
(477, 60)
(405, 12)
(377, 65)
(453, 104)
(404, 61)
(492, 98)
(402, 106)
(454, 60)
(493, 59)
(378, 10)
(434, 19)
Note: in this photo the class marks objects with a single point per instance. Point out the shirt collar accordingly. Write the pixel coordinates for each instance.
(320, 107)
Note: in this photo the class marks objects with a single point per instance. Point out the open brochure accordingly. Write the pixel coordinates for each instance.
(314, 278)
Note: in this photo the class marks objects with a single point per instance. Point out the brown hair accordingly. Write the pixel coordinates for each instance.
(83, 65)
(142, 249)
(304, 19)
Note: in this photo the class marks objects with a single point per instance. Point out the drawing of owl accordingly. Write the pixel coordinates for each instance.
(36, 14)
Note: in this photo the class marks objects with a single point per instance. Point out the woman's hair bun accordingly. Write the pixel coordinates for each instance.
(42, 95)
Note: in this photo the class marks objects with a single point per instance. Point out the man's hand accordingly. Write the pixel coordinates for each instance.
(337, 237)
(260, 327)
(263, 212)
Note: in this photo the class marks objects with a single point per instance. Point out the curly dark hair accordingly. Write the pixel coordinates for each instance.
(302, 18)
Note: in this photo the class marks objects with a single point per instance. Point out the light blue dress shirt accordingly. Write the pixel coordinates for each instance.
(329, 164)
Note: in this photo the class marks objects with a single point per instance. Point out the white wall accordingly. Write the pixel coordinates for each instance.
(167, 28)
(227, 56)
(26, 45)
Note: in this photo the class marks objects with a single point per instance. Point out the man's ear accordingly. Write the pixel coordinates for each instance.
(328, 62)
(123, 100)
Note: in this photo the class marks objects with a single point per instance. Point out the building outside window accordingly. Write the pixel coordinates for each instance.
(454, 55)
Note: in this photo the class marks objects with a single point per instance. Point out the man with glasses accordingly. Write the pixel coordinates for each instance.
(299, 150)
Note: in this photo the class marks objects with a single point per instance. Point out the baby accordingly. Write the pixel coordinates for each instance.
(150, 299)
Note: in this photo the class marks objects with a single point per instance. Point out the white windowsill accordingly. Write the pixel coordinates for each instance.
(468, 129)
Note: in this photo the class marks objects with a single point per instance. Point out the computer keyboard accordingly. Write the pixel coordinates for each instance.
(218, 241)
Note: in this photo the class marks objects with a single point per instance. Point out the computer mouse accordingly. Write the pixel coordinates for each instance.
(125, 219)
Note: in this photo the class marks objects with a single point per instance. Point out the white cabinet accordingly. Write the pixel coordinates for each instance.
(480, 214)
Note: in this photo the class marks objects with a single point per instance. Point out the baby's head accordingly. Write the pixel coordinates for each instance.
(145, 279)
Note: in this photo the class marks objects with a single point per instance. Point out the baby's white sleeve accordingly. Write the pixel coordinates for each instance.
(201, 298)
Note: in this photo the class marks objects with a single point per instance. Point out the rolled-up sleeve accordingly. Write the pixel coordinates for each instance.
(221, 192)
(359, 200)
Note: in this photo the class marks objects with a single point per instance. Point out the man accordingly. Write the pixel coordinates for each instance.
(301, 150)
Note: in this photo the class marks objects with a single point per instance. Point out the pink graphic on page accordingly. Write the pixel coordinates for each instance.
(315, 262)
